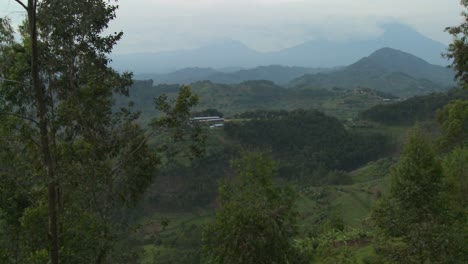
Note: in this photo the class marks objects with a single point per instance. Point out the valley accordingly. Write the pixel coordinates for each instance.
(233, 132)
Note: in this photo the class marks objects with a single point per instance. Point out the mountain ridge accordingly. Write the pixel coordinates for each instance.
(388, 70)
(276, 73)
(311, 54)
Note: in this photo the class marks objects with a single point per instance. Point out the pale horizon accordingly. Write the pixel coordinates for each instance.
(265, 25)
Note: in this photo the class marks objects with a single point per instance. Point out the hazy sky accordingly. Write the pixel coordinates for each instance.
(266, 25)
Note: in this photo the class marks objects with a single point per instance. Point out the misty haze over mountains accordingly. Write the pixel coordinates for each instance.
(278, 74)
(387, 70)
(315, 53)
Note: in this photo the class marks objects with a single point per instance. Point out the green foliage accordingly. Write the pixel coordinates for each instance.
(256, 220)
(458, 49)
(456, 192)
(192, 185)
(6, 32)
(453, 119)
(100, 155)
(233, 99)
(373, 170)
(337, 178)
(413, 216)
(335, 246)
(455, 168)
(306, 142)
(208, 112)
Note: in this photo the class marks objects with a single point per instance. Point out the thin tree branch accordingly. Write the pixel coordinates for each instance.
(13, 81)
(9, 139)
(21, 117)
(9, 174)
(22, 4)
(130, 156)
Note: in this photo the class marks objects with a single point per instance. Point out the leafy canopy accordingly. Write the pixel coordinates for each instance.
(256, 220)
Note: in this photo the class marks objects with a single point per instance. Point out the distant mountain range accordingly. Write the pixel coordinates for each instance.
(278, 74)
(311, 54)
(341, 92)
(388, 70)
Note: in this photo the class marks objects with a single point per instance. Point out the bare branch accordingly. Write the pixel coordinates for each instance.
(20, 116)
(13, 81)
(10, 139)
(130, 156)
(22, 4)
(122, 163)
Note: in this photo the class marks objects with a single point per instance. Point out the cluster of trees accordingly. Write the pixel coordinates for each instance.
(307, 141)
(208, 112)
(71, 162)
(256, 221)
(419, 108)
(423, 217)
(193, 184)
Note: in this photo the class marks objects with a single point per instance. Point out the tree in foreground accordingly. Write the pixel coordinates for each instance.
(453, 142)
(458, 49)
(413, 218)
(71, 162)
(256, 221)
(453, 119)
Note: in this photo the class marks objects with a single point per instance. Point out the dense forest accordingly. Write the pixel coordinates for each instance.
(327, 146)
(304, 167)
(418, 108)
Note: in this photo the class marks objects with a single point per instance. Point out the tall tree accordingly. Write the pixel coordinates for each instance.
(57, 103)
(413, 215)
(256, 221)
(458, 49)
(41, 112)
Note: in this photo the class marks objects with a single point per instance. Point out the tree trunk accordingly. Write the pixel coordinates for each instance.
(40, 94)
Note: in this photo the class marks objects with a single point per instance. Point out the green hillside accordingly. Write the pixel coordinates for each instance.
(232, 99)
(393, 60)
(232, 132)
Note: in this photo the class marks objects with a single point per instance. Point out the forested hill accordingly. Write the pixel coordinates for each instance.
(387, 70)
(254, 95)
(393, 60)
(419, 108)
(306, 140)
(275, 73)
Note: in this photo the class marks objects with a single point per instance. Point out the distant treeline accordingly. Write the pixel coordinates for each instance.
(417, 108)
